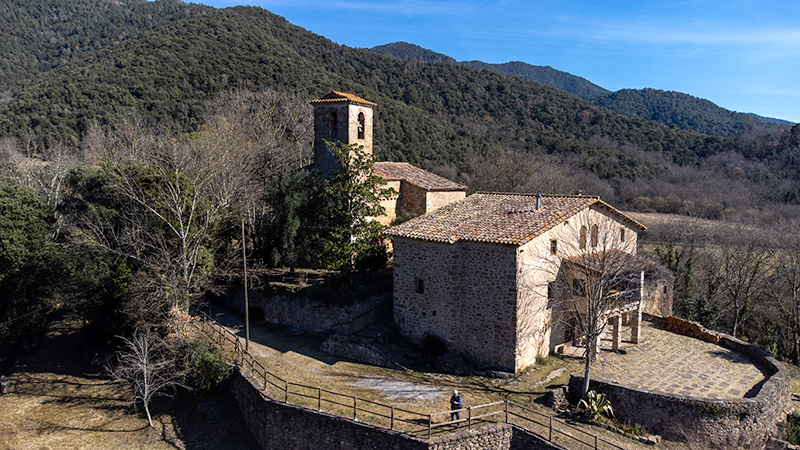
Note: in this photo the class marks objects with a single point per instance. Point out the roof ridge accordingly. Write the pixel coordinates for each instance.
(528, 194)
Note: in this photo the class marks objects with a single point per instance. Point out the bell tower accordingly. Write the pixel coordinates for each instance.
(341, 117)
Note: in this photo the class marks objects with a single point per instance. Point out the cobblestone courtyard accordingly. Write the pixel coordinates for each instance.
(668, 363)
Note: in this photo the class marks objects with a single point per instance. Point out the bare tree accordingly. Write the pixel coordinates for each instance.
(784, 287)
(593, 275)
(517, 171)
(42, 171)
(742, 265)
(145, 365)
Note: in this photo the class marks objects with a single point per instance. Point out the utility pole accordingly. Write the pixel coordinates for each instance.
(246, 302)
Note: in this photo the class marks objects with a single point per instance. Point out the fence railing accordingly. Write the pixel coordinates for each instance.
(548, 427)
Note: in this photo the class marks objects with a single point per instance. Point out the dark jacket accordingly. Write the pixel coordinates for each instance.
(455, 402)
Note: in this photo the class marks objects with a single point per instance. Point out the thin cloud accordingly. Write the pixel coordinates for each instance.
(719, 36)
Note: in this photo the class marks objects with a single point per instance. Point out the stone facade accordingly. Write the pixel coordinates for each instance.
(414, 200)
(391, 205)
(658, 286)
(492, 300)
(430, 298)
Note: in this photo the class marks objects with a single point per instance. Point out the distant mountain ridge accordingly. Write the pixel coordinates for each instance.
(492, 130)
(545, 75)
(667, 107)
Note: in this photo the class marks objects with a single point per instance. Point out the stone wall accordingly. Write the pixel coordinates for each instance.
(463, 293)
(390, 205)
(281, 426)
(743, 423)
(412, 200)
(311, 315)
(657, 296)
(436, 199)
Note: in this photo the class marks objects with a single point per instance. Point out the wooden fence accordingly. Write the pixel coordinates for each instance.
(548, 427)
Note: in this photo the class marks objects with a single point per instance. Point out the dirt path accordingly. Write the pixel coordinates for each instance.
(55, 400)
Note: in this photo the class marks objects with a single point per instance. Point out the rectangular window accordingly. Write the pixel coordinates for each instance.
(420, 286)
(622, 234)
(553, 247)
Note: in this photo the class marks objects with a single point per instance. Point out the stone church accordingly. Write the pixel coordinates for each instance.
(479, 272)
(348, 119)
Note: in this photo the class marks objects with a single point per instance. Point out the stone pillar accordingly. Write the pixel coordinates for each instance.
(616, 325)
(636, 324)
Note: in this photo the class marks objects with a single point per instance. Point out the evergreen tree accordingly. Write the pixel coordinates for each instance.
(352, 196)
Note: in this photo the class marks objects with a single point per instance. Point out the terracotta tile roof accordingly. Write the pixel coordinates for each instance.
(394, 171)
(338, 97)
(499, 218)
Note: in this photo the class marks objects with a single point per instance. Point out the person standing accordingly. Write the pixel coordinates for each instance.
(455, 406)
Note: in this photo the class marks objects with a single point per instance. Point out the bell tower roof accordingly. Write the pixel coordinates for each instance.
(342, 97)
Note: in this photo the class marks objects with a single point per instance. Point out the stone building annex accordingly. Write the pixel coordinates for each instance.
(485, 274)
(480, 272)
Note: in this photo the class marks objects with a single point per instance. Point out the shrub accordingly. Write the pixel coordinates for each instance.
(207, 366)
(596, 404)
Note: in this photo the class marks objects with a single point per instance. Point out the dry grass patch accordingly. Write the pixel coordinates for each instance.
(57, 400)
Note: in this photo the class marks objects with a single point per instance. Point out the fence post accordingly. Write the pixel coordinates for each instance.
(550, 436)
(285, 391)
(595, 442)
(391, 420)
(265, 380)
(469, 417)
(430, 426)
(354, 407)
(319, 399)
(506, 410)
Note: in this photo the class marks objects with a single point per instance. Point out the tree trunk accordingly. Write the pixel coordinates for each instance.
(587, 367)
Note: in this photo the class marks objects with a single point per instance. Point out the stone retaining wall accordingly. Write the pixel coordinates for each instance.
(742, 423)
(311, 315)
(277, 425)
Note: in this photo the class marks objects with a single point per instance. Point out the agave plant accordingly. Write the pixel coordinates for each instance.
(596, 403)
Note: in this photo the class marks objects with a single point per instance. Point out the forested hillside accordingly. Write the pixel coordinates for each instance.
(669, 108)
(441, 116)
(431, 114)
(682, 111)
(38, 35)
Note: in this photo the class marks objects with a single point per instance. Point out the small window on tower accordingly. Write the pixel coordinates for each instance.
(332, 126)
(594, 235)
(583, 237)
(622, 234)
(553, 247)
(361, 121)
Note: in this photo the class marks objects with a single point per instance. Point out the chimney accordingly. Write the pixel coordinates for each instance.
(538, 201)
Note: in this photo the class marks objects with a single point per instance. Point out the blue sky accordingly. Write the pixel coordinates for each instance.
(743, 55)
